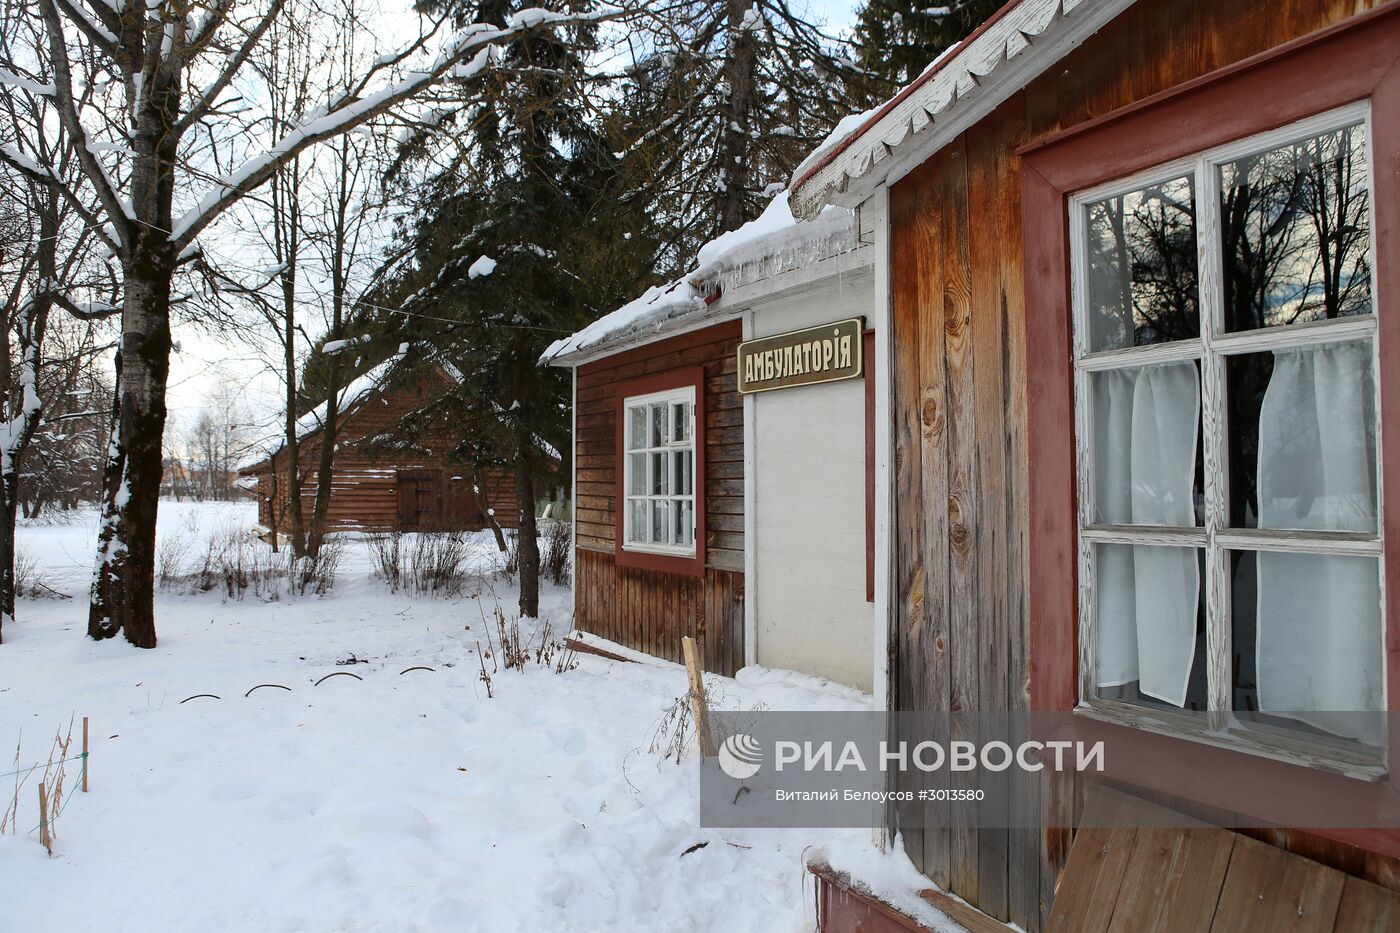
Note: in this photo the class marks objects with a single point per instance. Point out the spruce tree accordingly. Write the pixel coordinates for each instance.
(897, 39)
(520, 235)
(722, 102)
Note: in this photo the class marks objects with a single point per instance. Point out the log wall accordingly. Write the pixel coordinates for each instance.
(645, 609)
(961, 626)
(365, 488)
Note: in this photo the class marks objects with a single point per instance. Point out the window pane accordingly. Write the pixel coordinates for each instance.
(637, 521)
(1150, 624)
(637, 434)
(660, 521)
(637, 466)
(658, 425)
(685, 522)
(1302, 437)
(1307, 640)
(681, 466)
(680, 421)
(1142, 267)
(660, 474)
(1147, 459)
(1295, 231)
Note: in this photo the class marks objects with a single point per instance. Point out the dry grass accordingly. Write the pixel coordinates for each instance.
(236, 561)
(53, 777)
(426, 563)
(556, 552)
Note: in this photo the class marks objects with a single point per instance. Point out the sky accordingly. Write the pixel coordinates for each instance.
(205, 364)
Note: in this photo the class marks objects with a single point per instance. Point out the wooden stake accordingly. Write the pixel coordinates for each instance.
(697, 698)
(45, 839)
(85, 754)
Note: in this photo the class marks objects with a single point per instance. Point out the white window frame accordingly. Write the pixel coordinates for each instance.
(1219, 726)
(681, 394)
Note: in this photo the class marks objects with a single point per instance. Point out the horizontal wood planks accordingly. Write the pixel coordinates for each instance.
(365, 486)
(713, 348)
(646, 609)
(367, 498)
(1138, 868)
(962, 493)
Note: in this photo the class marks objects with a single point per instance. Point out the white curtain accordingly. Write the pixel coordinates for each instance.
(1146, 428)
(1319, 639)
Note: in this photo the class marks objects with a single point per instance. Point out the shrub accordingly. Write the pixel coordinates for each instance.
(556, 559)
(429, 563)
(236, 561)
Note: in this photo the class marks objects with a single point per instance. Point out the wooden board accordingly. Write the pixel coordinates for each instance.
(1136, 867)
(650, 611)
(961, 630)
(712, 348)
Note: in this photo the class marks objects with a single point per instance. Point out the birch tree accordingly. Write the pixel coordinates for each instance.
(146, 91)
(47, 261)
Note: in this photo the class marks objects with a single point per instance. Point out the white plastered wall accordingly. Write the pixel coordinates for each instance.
(808, 576)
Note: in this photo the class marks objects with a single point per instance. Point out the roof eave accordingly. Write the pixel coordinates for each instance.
(993, 64)
(725, 306)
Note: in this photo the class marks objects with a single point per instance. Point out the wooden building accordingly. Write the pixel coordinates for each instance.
(740, 518)
(1137, 298)
(372, 491)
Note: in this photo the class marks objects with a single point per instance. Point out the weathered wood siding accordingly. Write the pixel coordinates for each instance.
(961, 519)
(646, 609)
(365, 487)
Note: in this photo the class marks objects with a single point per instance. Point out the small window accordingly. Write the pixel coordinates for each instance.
(659, 473)
(1226, 406)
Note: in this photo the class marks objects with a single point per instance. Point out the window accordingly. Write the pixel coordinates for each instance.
(659, 468)
(1226, 406)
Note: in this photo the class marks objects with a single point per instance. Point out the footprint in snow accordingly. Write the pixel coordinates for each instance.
(568, 740)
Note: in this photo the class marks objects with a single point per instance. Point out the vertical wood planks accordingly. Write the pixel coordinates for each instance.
(905, 339)
(986, 152)
(651, 611)
(964, 612)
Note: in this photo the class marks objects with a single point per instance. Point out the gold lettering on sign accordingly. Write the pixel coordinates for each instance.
(827, 353)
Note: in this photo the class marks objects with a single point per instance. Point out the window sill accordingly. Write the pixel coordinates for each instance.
(1299, 752)
(679, 553)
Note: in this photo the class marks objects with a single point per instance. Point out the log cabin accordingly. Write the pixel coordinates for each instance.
(708, 503)
(1136, 310)
(421, 487)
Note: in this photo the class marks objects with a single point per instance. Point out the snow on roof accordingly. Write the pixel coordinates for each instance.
(311, 422)
(773, 234)
(851, 125)
(1018, 42)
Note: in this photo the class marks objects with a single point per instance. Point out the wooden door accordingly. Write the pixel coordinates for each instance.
(463, 508)
(420, 499)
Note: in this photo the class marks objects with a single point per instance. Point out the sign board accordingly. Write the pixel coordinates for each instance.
(826, 353)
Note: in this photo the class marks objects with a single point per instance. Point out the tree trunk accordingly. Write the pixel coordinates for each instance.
(128, 558)
(325, 468)
(24, 412)
(286, 225)
(488, 514)
(739, 66)
(339, 249)
(527, 537)
(101, 623)
(295, 529)
(272, 504)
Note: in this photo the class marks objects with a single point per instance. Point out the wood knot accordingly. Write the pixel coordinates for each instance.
(931, 417)
(959, 539)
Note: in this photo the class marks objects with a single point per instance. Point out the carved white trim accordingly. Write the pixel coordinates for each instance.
(967, 86)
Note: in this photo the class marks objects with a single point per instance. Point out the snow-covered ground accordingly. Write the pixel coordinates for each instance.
(396, 801)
